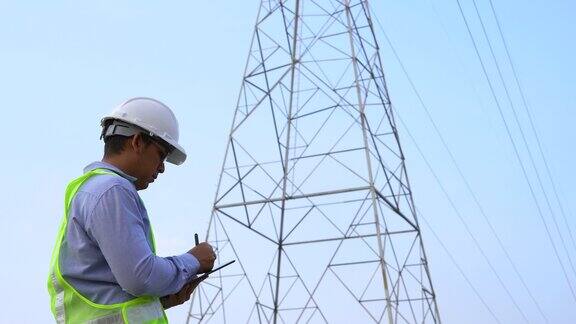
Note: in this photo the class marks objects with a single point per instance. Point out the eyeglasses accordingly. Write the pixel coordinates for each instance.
(164, 149)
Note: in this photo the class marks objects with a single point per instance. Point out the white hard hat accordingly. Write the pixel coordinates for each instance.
(152, 116)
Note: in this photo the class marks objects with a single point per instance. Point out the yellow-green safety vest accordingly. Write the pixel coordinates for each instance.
(69, 306)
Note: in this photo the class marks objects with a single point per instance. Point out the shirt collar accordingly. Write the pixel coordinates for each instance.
(108, 166)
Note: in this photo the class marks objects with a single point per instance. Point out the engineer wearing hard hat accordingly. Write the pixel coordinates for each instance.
(104, 268)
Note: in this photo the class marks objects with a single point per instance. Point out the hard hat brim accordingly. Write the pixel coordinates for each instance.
(177, 156)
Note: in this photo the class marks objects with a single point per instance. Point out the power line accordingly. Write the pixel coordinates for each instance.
(525, 142)
(484, 215)
(525, 104)
(516, 150)
(461, 174)
(458, 57)
(463, 221)
(459, 268)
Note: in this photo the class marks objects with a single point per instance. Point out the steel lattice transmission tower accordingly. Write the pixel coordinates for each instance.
(313, 200)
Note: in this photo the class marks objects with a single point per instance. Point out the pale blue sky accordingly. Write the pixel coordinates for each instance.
(65, 64)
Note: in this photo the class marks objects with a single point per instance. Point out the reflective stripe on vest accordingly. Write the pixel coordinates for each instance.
(69, 306)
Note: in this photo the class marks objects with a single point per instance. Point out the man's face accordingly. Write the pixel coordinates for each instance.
(150, 164)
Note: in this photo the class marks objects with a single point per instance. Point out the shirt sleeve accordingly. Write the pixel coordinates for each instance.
(117, 226)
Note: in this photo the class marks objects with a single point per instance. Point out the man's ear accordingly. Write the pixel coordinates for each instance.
(137, 143)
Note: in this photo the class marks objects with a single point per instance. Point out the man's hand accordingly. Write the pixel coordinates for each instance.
(204, 253)
(183, 295)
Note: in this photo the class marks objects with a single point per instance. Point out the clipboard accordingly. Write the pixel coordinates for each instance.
(206, 274)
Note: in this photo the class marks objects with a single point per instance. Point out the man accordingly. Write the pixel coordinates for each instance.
(104, 268)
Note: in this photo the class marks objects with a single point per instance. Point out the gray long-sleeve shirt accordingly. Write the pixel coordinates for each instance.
(107, 251)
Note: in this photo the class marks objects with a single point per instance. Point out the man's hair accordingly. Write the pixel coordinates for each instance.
(114, 144)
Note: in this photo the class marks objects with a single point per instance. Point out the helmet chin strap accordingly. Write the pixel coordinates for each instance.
(119, 127)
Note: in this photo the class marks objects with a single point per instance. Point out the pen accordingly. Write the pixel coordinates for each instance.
(196, 238)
